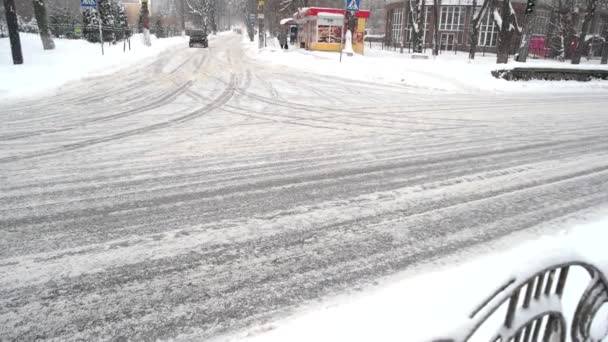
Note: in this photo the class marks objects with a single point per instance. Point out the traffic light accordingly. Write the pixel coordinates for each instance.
(530, 6)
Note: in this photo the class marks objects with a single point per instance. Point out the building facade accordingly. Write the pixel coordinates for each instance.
(455, 27)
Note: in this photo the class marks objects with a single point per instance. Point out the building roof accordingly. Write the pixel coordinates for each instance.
(314, 11)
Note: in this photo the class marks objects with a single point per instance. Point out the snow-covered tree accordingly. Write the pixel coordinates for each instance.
(106, 12)
(506, 21)
(581, 41)
(201, 9)
(90, 25)
(27, 26)
(479, 12)
(121, 22)
(562, 28)
(416, 14)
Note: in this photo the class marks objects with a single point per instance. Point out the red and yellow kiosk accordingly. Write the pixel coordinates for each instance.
(321, 29)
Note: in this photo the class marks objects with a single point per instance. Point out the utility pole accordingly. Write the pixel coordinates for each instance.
(13, 31)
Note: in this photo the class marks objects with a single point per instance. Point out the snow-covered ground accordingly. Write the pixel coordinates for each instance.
(71, 60)
(203, 192)
(449, 71)
(424, 303)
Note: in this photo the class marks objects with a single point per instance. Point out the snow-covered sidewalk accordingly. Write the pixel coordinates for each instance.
(447, 72)
(422, 305)
(70, 60)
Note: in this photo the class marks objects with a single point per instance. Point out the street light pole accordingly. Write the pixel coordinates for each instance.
(13, 31)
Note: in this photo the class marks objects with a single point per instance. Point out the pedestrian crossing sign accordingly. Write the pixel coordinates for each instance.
(88, 3)
(352, 5)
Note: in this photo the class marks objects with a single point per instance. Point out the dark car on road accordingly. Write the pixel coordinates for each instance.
(198, 38)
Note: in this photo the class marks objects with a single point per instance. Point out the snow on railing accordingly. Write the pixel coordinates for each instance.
(532, 307)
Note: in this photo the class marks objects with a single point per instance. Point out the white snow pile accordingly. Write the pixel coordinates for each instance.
(70, 60)
(448, 72)
(422, 305)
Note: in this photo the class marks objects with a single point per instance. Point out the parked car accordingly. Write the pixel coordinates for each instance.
(198, 38)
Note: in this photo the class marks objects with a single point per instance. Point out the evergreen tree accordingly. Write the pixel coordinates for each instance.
(121, 23)
(90, 25)
(106, 13)
(30, 26)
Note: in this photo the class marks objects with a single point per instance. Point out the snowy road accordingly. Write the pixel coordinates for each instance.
(202, 192)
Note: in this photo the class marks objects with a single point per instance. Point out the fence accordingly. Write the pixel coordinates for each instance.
(595, 50)
(533, 307)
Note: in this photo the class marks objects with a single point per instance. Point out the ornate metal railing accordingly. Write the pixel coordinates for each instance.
(535, 310)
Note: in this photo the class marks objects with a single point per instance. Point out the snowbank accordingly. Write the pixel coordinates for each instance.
(420, 307)
(71, 60)
(447, 72)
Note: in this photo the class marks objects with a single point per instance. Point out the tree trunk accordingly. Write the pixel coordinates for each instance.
(474, 38)
(212, 13)
(504, 35)
(182, 15)
(43, 24)
(605, 50)
(13, 31)
(524, 45)
(415, 23)
(436, 18)
(581, 43)
(403, 25)
(421, 25)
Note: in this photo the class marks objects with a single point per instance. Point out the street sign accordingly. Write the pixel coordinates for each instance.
(352, 5)
(88, 3)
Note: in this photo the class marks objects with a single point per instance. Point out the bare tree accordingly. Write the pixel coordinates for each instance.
(581, 41)
(416, 23)
(202, 10)
(605, 47)
(436, 15)
(13, 31)
(506, 20)
(478, 14)
(561, 27)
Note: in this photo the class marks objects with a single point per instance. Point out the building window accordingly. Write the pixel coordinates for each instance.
(329, 29)
(397, 25)
(488, 32)
(452, 18)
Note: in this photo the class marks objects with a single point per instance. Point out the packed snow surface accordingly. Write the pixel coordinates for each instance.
(202, 191)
